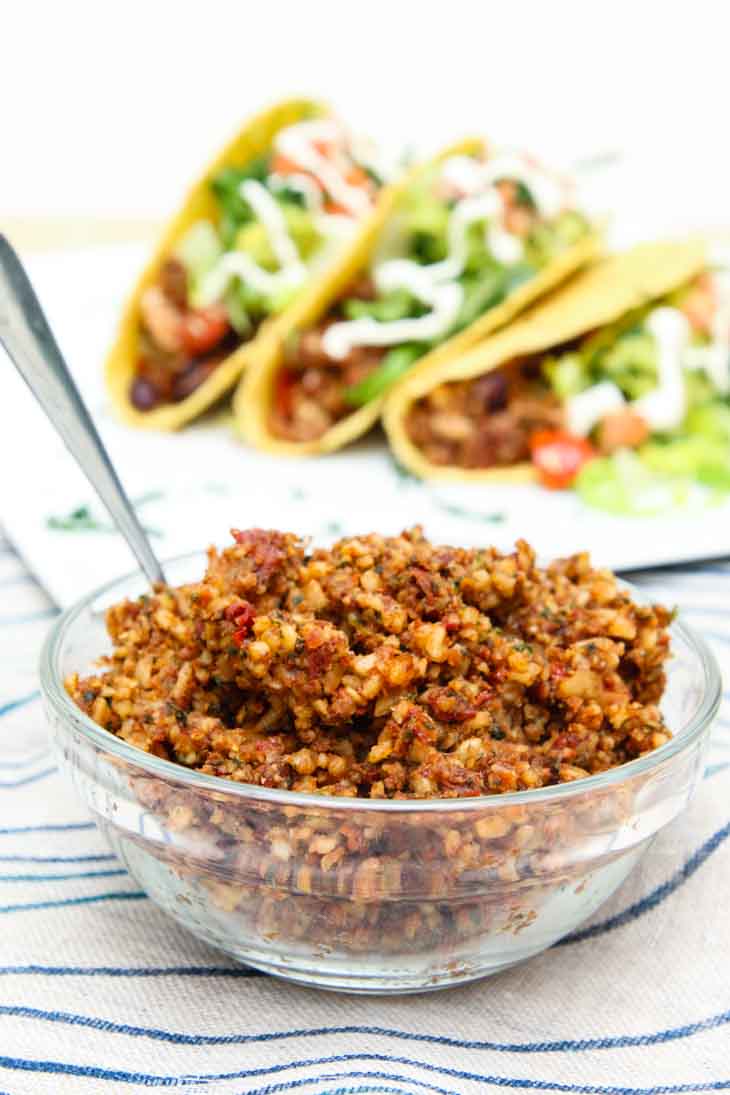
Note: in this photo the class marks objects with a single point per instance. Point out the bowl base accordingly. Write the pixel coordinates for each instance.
(392, 984)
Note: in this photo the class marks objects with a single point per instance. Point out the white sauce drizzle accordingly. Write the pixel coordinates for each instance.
(436, 284)
(506, 247)
(665, 406)
(237, 264)
(467, 176)
(445, 301)
(296, 142)
(269, 213)
(586, 409)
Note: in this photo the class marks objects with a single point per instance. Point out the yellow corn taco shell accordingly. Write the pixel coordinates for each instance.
(252, 401)
(594, 298)
(253, 140)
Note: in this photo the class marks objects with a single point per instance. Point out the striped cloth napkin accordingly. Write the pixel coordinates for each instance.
(100, 992)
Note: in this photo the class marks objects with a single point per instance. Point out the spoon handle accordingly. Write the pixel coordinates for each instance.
(29, 341)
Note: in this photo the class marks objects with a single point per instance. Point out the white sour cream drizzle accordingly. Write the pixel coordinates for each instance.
(437, 284)
(444, 300)
(269, 213)
(335, 228)
(297, 143)
(237, 264)
(665, 406)
(586, 409)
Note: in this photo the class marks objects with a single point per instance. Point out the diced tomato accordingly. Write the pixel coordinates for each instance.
(201, 329)
(242, 615)
(559, 456)
(325, 148)
(700, 303)
(357, 176)
(622, 429)
(282, 165)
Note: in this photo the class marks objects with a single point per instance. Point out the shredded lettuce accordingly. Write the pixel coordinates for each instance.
(226, 186)
(254, 239)
(426, 222)
(548, 240)
(394, 364)
(710, 420)
(399, 304)
(702, 458)
(199, 250)
(623, 484)
(238, 315)
(567, 375)
(698, 387)
(631, 363)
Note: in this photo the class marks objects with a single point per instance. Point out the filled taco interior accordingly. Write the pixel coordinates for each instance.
(277, 220)
(653, 387)
(467, 232)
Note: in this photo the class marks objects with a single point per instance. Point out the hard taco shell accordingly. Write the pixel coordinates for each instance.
(253, 140)
(252, 400)
(592, 299)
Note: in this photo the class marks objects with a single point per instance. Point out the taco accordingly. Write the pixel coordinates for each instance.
(270, 213)
(628, 361)
(469, 240)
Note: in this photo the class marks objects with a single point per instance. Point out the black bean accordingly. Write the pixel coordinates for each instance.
(491, 391)
(144, 395)
(190, 379)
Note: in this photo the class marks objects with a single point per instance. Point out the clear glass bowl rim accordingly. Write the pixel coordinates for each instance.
(55, 694)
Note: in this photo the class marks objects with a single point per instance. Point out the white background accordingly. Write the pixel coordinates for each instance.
(111, 107)
(109, 110)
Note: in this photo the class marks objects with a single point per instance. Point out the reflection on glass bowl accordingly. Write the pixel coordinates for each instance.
(368, 895)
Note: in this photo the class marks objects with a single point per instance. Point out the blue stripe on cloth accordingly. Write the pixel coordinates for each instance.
(495, 1081)
(13, 705)
(190, 1080)
(130, 971)
(369, 1089)
(120, 895)
(61, 877)
(657, 896)
(25, 780)
(72, 826)
(328, 1077)
(571, 1045)
(57, 858)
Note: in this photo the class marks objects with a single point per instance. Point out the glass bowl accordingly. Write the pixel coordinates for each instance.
(370, 895)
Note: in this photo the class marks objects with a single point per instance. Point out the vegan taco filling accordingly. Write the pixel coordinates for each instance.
(280, 220)
(386, 668)
(628, 413)
(467, 233)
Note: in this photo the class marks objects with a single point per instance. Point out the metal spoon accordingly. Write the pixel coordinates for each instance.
(29, 341)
